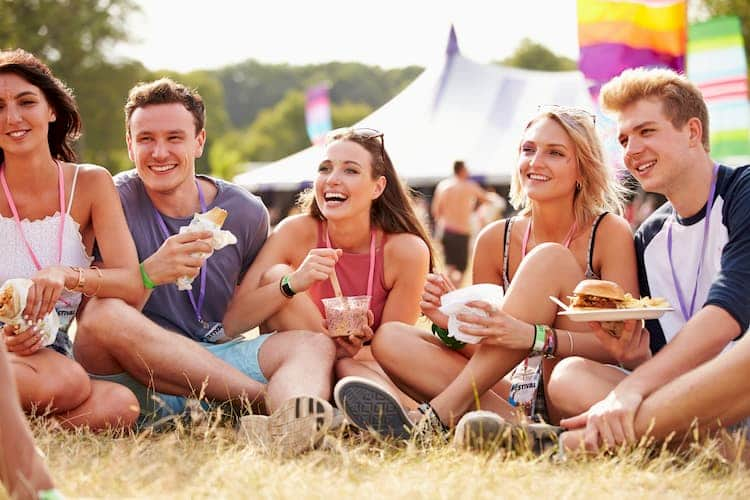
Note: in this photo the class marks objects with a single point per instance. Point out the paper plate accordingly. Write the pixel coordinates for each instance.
(615, 314)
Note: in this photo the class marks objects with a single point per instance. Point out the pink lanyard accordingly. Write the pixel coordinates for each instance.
(566, 241)
(9, 197)
(372, 259)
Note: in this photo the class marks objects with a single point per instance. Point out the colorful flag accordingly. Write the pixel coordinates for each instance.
(616, 35)
(716, 63)
(318, 113)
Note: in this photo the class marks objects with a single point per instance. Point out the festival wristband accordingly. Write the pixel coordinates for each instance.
(286, 288)
(540, 335)
(146, 280)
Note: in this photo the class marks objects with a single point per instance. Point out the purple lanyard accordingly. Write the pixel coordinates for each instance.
(197, 307)
(688, 313)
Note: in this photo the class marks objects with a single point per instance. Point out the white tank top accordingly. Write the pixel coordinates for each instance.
(42, 235)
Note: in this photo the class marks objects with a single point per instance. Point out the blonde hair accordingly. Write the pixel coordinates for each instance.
(598, 190)
(680, 98)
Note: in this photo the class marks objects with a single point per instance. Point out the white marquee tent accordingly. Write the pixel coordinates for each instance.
(455, 109)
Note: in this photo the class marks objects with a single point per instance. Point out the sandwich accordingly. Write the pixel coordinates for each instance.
(598, 294)
(211, 220)
(13, 295)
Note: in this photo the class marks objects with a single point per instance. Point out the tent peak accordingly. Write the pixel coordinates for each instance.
(452, 47)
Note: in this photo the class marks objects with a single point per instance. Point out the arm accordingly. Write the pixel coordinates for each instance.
(406, 263)
(488, 254)
(435, 207)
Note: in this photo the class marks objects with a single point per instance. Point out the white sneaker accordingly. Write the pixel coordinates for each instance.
(478, 430)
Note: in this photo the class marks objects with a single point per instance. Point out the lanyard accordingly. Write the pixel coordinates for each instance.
(372, 259)
(688, 313)
(197, 307)
(566, 241)
(14, 210)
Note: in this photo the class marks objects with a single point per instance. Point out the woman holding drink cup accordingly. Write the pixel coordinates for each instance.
(358, 236)
(51, 211)
(564, 233)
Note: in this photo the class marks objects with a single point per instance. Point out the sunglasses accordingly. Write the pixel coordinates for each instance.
(358, 133)
(567, 110)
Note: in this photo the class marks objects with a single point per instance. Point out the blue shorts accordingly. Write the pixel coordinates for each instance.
(242, 353)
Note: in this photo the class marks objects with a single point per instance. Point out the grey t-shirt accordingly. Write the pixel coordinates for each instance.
(247, 220)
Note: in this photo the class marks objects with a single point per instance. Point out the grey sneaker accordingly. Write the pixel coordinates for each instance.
(479, 430)
(371, 407)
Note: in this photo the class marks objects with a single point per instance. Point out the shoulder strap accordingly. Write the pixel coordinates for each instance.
(506, 247)
(592, 241)
(72, 189)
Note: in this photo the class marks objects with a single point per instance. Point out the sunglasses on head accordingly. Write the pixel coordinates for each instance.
(362, 133)
(566, 110)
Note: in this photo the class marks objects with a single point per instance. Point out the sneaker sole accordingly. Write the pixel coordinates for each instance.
(300, 423)
(369, 406)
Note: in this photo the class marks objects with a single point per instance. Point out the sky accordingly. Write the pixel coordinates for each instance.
(184, 35)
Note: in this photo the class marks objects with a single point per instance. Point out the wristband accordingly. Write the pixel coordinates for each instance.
(52, 494)
(446, 339)
(540, 335)
(550, 343)
(286, 289)
(146, 280)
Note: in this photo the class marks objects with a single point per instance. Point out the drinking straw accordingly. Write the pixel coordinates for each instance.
(335, 284)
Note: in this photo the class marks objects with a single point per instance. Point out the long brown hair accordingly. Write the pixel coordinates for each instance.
(66, 128)
(392, 211)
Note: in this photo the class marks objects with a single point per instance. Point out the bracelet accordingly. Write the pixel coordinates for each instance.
(286, 288)
(98, 283)
(147, 282)
(540, 335)
(570, 338)
(446, 339)
(550, 343)
(81, 283)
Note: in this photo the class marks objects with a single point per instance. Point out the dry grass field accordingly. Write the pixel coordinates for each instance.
(207, 460)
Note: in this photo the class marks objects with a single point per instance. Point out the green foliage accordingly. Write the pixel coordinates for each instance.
(251, 86)
(739, 8)
(532, 55)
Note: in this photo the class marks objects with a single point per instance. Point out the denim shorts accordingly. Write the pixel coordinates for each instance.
(242, 353)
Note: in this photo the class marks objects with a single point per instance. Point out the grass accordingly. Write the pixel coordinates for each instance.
(208, 461)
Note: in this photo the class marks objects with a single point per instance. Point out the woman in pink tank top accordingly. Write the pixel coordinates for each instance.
(51, 211)
(358, 228)
(562, 186)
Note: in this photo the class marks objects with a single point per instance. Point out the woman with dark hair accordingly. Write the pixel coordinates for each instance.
(51, 212)
(358, 228)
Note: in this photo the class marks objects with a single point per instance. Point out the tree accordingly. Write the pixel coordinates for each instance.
(739, 8)
(532, 55)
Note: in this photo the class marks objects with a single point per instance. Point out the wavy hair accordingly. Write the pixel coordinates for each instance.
(66, 128)
(393, 211)
(598, 189)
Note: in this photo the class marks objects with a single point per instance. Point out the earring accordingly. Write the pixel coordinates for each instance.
(578, 186)
(53, 118)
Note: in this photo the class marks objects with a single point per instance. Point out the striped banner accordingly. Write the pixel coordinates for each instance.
(616, 35)
(317, 113)
(716, 63)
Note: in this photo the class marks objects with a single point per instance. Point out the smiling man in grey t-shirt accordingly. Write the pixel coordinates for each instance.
(176, 344)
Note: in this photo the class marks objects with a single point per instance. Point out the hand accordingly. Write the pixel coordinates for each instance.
(25, 343)
(317, 266)
(436, 285)
(498, 328)
(180, 255)
(43, 294)
(631, 348)
(608, 423)
(348, 347)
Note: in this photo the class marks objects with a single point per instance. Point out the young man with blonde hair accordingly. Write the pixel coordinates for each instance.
(695, 252)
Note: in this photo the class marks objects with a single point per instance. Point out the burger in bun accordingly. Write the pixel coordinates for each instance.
(600, 294)
(597, 294)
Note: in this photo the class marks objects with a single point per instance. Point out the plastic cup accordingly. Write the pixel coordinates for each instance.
(346, 315)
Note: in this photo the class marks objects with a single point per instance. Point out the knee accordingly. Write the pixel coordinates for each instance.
(274, 273)
(67, 387)
(95, 324)
(317, 346)
(385, 343)
(553, 255)
(122, 407)
(564, 382)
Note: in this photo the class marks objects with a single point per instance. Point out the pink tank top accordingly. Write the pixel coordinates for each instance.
(353, 271)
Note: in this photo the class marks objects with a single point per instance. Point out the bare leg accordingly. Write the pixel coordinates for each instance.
(578, 383)
(22, 470)
(297, 364)
(527, 300)
(423, 367)
(110, 406)
(113, 337)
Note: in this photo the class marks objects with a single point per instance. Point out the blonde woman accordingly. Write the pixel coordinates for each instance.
(568, 228)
